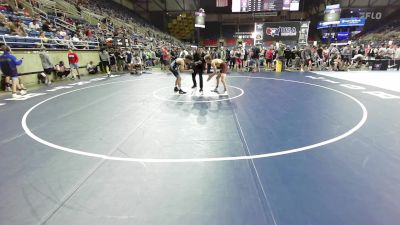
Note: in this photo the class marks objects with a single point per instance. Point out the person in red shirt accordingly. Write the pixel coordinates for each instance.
(73, 60)
(165, 58)
(269, 54)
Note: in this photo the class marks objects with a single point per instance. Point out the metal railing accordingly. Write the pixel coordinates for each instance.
(61, 23)
(36, 42)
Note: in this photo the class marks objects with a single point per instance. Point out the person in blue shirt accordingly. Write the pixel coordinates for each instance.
(8, 65)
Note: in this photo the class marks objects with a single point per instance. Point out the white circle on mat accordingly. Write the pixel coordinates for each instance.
(206, 98)
(346, 134)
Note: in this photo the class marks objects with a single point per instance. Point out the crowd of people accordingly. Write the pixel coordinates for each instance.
(51, 30)
(145, 47)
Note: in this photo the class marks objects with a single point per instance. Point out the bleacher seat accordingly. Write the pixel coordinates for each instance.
(34, 33)
(32, 42)
(4, 30)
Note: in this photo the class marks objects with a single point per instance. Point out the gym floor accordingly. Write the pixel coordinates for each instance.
(290, 148)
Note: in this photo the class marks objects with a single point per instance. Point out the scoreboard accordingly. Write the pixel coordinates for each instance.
(265, 5)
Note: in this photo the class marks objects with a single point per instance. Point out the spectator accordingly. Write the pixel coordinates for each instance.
(8, 65)
(47, 27)
(137, 64)
(73, 60)
(34, 25)
(62, 33)
(91, 68)
(128, 59)
(3, 20)
(165, 59)
(120, 60)
(113, 61)
(47, 65)
(16, 28)
(61, 71)
(43, 39)
(381, 52)
(105, 62)
(268, 58)
(347, 54)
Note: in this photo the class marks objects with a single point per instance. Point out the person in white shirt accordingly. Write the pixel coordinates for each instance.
(91, 68)
(382, 52)
(390, 52)
(62, 33)
(137, 64)
(183, 53)
(34, 25)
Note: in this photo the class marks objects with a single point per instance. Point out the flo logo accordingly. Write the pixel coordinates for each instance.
(272, 31)
(281, 31)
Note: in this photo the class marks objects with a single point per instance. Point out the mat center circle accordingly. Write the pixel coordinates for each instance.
(193, 95)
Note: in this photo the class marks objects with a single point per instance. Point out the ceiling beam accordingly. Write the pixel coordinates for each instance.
(159, 5)
(135, 3)
(180, 6)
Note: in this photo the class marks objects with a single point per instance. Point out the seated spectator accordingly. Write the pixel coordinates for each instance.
(34, 25)
(337, 62)
(38, 19)
(61, 32)
(47, 27)
(75, 38)
(68, 42)
(91, 68)
(137, 64)
(43, 39)
(3, 20)
(61, 71)
(16, 28)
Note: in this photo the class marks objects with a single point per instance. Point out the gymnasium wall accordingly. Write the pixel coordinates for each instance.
(32, 63)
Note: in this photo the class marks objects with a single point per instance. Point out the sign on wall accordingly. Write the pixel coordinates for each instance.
(281, 31)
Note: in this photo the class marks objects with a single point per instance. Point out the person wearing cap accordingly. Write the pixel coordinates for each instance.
(8, 65)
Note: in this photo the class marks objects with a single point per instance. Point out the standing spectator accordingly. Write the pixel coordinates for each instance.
(128, 59)
(73, 60)
(8, 64)
(256, 58)
(347, 52)
(120, 55)
(113, 61)
(232, 61)
(269, 54)
(46, 64)
(288, 56)
(105, 61)
(222, 53)
(381, 52)
(165, 58)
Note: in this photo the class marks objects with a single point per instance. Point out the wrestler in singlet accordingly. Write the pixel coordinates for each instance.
(218, 64)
